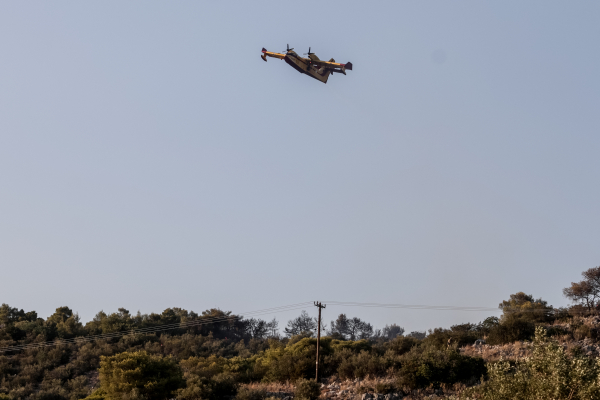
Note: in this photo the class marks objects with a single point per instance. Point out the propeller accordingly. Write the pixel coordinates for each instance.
(288, 49)
(309, 53)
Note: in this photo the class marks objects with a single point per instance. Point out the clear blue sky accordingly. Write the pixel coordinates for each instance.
(150, 159)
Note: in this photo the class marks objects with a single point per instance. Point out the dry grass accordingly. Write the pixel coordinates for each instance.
(352, 389)
(272, 387)
(334, 388)
(445, 393)
(511, 351)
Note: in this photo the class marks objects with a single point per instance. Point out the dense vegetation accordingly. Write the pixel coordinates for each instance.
(213, 359)
(550, 373)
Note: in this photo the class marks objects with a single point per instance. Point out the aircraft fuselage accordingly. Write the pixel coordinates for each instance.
(304, 66)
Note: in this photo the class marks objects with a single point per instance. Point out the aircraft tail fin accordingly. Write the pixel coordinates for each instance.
(348, 65)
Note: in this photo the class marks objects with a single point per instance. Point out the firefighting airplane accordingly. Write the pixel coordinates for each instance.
(311, 66)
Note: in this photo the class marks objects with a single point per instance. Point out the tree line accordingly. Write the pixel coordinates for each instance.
(211, 361)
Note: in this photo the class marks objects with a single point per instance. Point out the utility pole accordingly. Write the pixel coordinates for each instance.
(321, 306)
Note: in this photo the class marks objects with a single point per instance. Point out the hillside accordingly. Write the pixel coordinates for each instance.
(215, 354)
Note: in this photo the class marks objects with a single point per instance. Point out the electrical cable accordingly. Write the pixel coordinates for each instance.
(148, 330)
(439, 308)
(204, 321)
(409, 306)
(433, 307)
(212, 320)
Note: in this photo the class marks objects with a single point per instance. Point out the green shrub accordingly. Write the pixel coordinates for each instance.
(548, 374)
(557, 331)
(251, 394)
(97, 394)
(286, 366)
(428, 366)
(403, 344)
(525, 307)
(294, 361)
(139, 374)
(562, 314)
(355, 346)
(459, 335)
(511, 330)
(583, 332)
(384, 388)
(215, 388)
(360, 365)
(307, 389)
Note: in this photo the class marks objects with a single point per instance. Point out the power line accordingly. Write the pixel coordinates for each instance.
(291, 307)
(204, 321)
(434, 307)
(411, 306)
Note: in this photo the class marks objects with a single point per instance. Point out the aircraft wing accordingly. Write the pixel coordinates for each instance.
(333, 65)
(271, 54)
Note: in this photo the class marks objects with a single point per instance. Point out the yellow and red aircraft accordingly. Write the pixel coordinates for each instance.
(311, 66)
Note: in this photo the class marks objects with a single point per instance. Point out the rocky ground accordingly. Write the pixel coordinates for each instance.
(580, 328)
(359, 390)
(512, 351)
